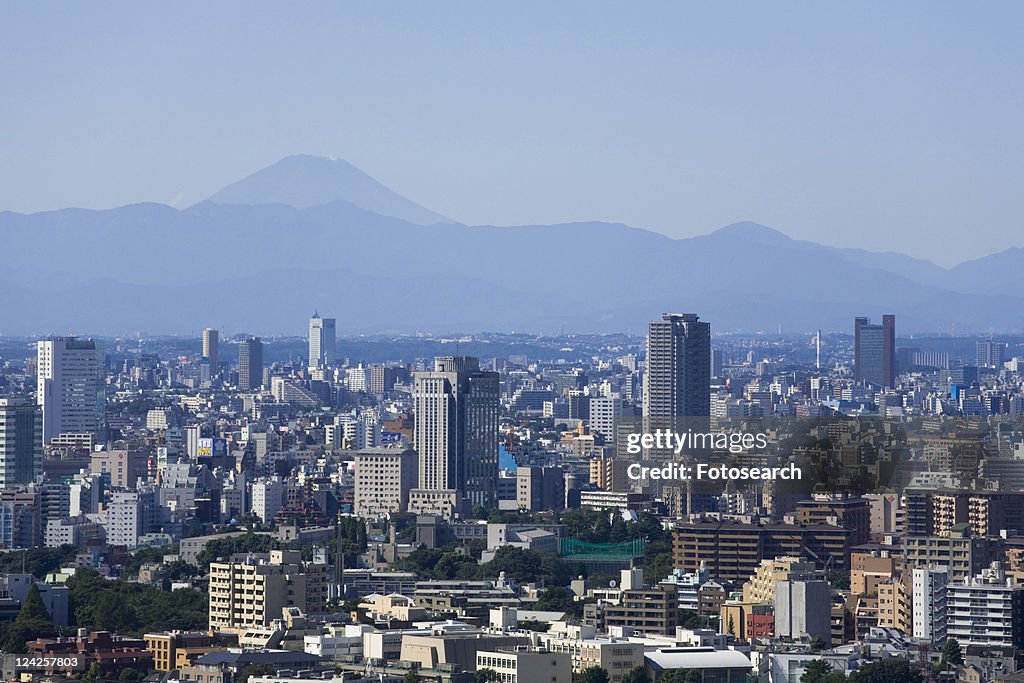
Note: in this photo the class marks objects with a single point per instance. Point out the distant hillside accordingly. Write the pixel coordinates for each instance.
(241, 263)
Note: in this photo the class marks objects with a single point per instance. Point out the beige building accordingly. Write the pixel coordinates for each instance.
(458, 649)
(895, 605)
(526, 665)
(167, 645)
(383, 479)
(393, 606)
(124, 467)
(251, 591)
(617, 656)
(652, 611)
(761, 586)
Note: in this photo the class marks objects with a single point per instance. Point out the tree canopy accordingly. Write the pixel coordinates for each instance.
(891, 670)
(593, 674)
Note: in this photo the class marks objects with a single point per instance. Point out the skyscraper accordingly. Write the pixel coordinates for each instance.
(250, 364)
(21, 442)
(70, 388)
(321, 341)
(677, 382)
(875, 351)
(211, 348)
(456, 434)
(990, 353)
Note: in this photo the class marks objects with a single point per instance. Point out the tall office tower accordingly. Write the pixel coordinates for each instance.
(211, 348)
(21, 442)
(990, 353)
(70, 388)
(250, 364)
(875, 351)
(321, 341)
(677, 382)
(457, 433)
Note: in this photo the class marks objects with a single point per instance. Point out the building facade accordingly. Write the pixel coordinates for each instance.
(71, 386)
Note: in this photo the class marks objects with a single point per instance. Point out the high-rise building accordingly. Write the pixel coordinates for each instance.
(321, 341)
(875, 351)
(990, 354)
(211, 348)
(928, 587)
(250, 364)
(267, 498)
(604, 414)
(456, 432)
(986, 610)
(130, 515)
(677, 381)
(21, 442)
(70, 388)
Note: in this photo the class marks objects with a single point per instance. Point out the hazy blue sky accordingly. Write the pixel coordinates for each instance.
(894, 125)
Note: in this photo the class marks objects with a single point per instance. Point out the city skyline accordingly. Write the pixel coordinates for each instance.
(661, 342)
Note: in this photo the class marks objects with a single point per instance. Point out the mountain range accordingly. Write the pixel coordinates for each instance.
(317, 233)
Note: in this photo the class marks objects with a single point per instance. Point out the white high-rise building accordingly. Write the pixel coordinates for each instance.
(70, 389)
(928, 600)
(356, 379)
(130, 515)
(267, 498)
(987, 610)
(321, 341)
(604, 413)
(21, 442)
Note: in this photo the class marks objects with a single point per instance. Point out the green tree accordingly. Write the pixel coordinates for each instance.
(817, 644)
(94, 674)
(815, 671)
(535, 626)
(951, 653)
(636, 675)
(690, 619)
(229, 545)
(681, 676)
(33, 608)
(555, 599)
(485, 675)
(593, 674)
(37, 561)
(32, 622)
(890, 670)
(100, 604)
(412, 676)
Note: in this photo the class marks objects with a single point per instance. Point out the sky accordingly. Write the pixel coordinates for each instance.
(881, 125)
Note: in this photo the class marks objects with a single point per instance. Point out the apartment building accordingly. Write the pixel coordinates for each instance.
(252, 590)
